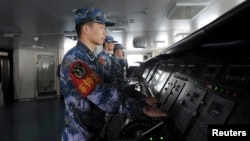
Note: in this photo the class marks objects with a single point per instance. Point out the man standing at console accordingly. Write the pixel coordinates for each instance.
(104, 58)
(87, 97)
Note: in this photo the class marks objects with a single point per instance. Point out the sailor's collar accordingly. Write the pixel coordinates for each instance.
(85, 48)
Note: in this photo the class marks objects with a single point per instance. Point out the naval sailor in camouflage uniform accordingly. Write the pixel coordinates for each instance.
(119, 63)
(104, 58)
(86, 96)
(119, 68)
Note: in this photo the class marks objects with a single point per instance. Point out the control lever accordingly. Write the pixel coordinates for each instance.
(149, 130)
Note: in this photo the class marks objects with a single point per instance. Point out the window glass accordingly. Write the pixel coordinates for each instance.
(134, 59)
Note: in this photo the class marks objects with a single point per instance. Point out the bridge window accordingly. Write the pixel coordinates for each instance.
(68, 44)
(134, 59)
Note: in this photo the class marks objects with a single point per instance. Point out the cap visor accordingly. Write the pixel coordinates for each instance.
(109, 23)
(120, 48)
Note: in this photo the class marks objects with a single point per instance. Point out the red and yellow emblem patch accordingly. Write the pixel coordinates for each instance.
(83, 78)
(101, 61)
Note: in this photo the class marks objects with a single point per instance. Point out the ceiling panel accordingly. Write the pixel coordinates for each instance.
(150, 17)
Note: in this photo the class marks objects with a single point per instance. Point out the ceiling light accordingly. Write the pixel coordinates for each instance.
(186, 10)
(146, 11)
(180, 36)
(132, 21)
(117, 28)
(36, 39)
(10, 34)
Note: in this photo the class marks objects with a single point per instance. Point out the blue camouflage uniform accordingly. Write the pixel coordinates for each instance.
(124, 66)
(119, 66)
(116, 68)
(104, 59)
(105, 62)
(87, 98)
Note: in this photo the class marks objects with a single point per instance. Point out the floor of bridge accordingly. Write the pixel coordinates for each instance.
(34, 120)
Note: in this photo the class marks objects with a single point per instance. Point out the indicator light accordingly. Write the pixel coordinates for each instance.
(216, 88)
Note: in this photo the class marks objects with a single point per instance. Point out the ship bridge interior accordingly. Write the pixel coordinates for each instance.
(202, 80)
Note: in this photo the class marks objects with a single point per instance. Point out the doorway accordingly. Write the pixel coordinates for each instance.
(46, 84)
(6, 75)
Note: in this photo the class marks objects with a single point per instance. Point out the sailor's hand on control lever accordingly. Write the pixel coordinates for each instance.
(152, 101)
(154, 112)
(151, 108)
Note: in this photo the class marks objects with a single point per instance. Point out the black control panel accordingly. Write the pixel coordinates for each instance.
(195, 96)
(202, 80)
(196, 92)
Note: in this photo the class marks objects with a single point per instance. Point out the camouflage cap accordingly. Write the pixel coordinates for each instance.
(118, 46)
(91, 14)
(110, 39)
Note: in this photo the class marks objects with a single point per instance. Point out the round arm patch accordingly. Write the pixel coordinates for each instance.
(83, 78)
(101, 60)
